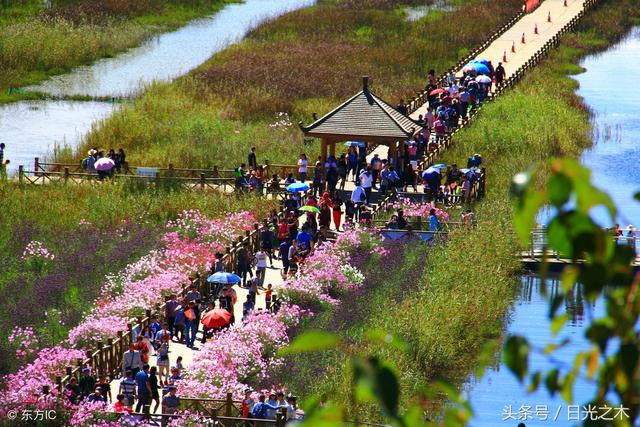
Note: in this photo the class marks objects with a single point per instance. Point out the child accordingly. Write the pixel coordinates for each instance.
(267, 296)
(247, 307)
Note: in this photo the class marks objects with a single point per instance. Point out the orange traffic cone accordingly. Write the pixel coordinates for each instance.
(504, 56)
(513, 47)
(565, 3)
(549, 17)
(522, 40)
(535, 29)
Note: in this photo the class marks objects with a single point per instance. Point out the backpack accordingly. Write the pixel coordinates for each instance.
(83, 163)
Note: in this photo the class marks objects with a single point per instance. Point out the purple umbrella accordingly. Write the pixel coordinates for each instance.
(104, 164)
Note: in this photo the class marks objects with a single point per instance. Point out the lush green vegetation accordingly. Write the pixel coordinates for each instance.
(91, 231)
(466, 284)
(306, 61)
(36, 42)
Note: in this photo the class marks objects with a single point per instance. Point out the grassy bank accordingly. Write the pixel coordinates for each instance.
(306, 61)
(465, 286)
(36, 43)
(92, 231)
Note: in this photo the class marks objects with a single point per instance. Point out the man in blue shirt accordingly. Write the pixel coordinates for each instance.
(144, 388)
(305, 241)
(284, 255)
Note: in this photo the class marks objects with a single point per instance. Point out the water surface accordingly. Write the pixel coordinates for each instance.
(609, 89)
(499, 389)
(35, 128)
(168, 55)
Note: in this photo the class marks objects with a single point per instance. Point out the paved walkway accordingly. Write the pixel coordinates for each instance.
(560, 16)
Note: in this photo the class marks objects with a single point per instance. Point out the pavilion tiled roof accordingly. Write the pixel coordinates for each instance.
(363, 116)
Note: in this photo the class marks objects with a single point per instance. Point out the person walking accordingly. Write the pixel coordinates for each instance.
(337, 212)
(499, 74)
(325, 210)
(144, 388)
(128, 389)
(244, 263)
(366, 180)
(153, 384)
(131, 360)
(302, 167)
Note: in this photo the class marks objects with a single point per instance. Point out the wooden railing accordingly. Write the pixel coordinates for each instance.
(421, 98)
(106, 358)
(431, 157)
(226, 413)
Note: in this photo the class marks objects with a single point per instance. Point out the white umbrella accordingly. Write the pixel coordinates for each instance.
(483, 79)
(104, 164)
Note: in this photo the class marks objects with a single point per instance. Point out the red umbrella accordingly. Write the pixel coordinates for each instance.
(216, 318)
(436, 92)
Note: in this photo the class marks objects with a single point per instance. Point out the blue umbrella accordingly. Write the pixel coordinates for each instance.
(439, 166)
(479, 67)
(482, 61)
(297, 187)
(355, 144)
(431, 173)
(222, 277)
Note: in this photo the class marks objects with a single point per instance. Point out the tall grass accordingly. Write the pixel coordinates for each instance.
(36, 43)
(303, 62)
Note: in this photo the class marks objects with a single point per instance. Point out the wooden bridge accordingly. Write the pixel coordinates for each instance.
(539, 253)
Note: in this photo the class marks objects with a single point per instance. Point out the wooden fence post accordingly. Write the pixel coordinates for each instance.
(20, 173)
(202, 180)
(228, 405)
(36, 164)
(66, 174)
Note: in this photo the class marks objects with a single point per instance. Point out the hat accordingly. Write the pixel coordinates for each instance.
(248, 390)
(86, 370)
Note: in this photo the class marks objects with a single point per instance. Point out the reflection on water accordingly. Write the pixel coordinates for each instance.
(168, 55)
(606, 89)
(499, 389)
(33, 128)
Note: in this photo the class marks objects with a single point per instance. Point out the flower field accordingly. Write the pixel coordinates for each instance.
(242, 355)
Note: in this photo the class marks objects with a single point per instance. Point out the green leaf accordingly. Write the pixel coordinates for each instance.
(555, 304)
(377, 380)
(569, 277)
(525, 215)
(387, 339)
(600, 332)
(535, 382)
(309, 342)
(559, 188)
(551, 381)
(558, 322)
(516, 355)
(559, 237)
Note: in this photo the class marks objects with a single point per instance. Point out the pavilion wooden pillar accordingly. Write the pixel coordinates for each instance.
(393, 153)
(325, 142)
(332, 149)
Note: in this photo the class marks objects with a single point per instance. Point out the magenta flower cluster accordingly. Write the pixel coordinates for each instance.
(36, 249)
(189, 245)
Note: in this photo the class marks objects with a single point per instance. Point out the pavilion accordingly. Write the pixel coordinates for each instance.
(363, 118)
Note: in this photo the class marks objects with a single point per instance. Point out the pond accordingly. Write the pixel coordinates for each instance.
(33, 129)
(605, 87)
